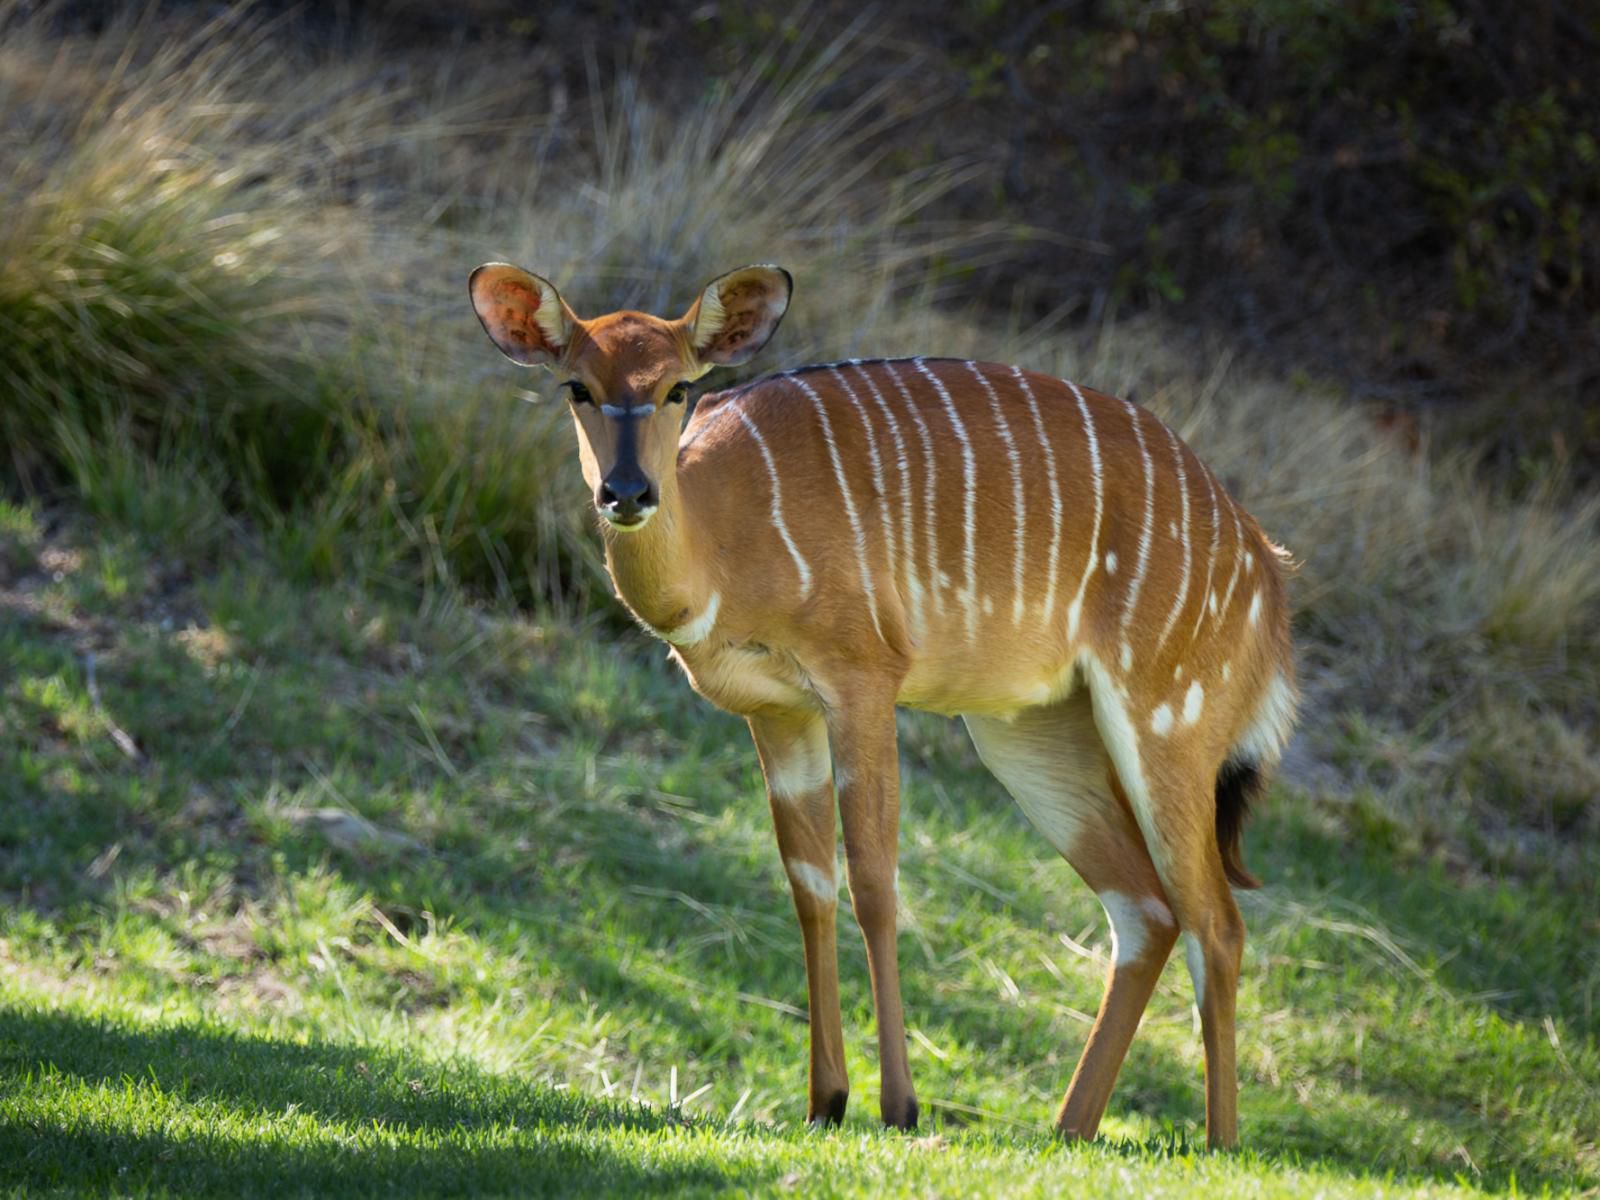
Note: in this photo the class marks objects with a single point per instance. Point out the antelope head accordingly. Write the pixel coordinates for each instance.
(627, 374)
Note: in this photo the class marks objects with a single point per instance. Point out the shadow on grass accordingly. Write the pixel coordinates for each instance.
(454, 1129)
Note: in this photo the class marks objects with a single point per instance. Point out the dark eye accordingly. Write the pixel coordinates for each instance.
(580, 394)
(678, 394)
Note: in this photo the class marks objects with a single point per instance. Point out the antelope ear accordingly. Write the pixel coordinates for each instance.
(523, 314)
(737, 314)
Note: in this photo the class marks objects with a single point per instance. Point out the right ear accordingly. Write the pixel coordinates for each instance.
(523, 314)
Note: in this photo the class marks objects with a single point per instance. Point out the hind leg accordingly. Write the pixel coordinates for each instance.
(1053, 763)
(1170, 784)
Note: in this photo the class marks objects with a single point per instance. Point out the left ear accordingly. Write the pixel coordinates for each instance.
(737, 314)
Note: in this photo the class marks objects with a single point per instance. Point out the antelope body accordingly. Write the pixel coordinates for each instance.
(1050, 563)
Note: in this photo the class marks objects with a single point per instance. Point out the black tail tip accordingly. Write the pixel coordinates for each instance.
(1238, 784)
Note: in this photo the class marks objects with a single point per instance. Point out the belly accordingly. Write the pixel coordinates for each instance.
(998, 684)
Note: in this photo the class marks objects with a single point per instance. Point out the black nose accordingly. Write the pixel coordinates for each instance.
(625, 496)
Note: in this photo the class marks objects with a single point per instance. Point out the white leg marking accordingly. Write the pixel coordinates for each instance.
(1269, 729)
(1019, 511)
(1128, 935)
(857, 533)
(805, 769)
(692, 632)
(777, 503)
(1196, 958)
(1161, 719)
(936, 578)
(1130, 923)
(1192, 702)
(969, 469)
(1053, 768)
(1075, 609)
(907, 513)
(1182, 597)
(1211, 562)
(1111, 562)
(1055, 492)
(1149, 518)
(820, 883)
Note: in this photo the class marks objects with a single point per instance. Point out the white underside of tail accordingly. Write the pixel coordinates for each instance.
(1263, 741)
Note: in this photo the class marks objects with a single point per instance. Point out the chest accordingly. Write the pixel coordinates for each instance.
(744, 678)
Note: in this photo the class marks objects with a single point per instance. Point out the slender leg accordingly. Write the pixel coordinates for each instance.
(1190, 866)
(1054, 764)
(865, 750)
(794, 757)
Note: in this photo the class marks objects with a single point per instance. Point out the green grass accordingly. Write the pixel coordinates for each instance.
(435, 902)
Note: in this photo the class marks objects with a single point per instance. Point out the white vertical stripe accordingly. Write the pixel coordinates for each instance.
(907, 532)
(1216, 545)
(1055, 492)
(1075, 611)
(969, 470)
(777, 502)
(1019, 512)
(1188, 550)
(1238, 556)
(885, 515)
(1149, 518)
(930, 522)
(857, 533)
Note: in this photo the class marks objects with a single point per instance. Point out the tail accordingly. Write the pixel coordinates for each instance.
(1238, 784)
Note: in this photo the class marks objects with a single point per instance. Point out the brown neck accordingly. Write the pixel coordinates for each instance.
(657, 571)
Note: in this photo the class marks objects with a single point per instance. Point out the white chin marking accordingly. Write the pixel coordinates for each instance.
(639, 523)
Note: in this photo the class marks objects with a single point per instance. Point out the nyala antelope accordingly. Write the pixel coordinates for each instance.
(1050, 563)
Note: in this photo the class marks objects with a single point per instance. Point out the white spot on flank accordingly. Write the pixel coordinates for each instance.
(1127, 656)
(1111, 562)
(1055, 492)
(969, 469)
(692, 632)
(988, 606)
(857, 532)
(1227, 669)
(1196, 958)
(1249, 561)
(936, 577)
(1076, 610)
(1161, 719)
(1149, 518)
(1192, 702)
(800, 564)
(1255, 607)
(1172, 526)
(1177, 672)
(820, 883)
(1019, 510)
(803, 767)
(1212, 602)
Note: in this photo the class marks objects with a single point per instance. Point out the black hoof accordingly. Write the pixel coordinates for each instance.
(905, 1119)
(831, 1111)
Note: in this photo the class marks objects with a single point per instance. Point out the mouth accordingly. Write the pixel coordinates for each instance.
(628, 522)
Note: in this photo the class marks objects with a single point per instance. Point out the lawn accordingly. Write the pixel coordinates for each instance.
(317, 890)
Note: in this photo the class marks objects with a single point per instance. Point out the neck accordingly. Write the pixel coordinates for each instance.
(657, 570)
